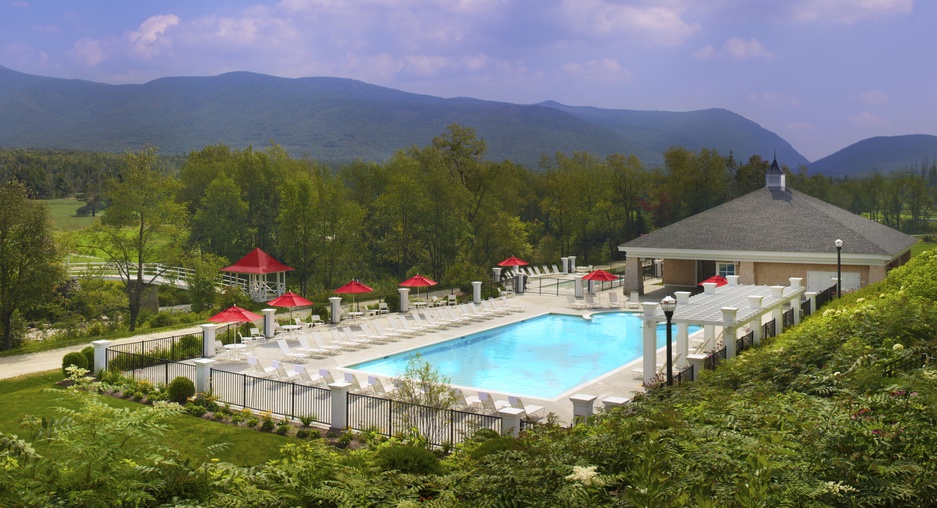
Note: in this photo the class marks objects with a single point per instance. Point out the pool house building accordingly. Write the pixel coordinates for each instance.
(768, 236)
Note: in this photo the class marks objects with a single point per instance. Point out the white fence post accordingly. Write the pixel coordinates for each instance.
(100, 355)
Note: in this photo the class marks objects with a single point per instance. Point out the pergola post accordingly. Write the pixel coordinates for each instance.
(208, 340)
(777, 313)
(650, 341)
(728, 330)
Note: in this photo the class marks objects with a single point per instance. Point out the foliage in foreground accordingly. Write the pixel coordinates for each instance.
(809, 419)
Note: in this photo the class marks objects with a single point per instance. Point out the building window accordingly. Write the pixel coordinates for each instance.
(725, 269)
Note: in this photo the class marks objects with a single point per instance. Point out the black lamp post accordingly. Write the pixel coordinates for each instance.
(839, 267)
(668, 305)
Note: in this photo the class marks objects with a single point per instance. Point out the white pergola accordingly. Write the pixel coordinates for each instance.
(729, 307)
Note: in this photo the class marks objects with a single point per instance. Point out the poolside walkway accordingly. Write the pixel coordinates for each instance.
(619, 383)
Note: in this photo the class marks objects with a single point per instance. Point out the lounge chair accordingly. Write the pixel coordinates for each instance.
(257, 335)
(354, 337)
(546, 271)
(289, 353)
(590, 302)
(304, 376)
(282, 372)
(382, 308)
(532, 410)
(326, 376)
(556, 271)
(489, 405)
(421, 320)
(513, 307)
(309, 349)
(340, 340)
(434, 301)
(485, 314)
(388, 335)
(489, 306)
(463, 402)
(323, 343)
(315, 320)
(456, 318)
(573, 303)
(634, 302)
(353, 381)
(404, 327)
(451, 300)
(376, 386)
(258, 367)
(613, 300)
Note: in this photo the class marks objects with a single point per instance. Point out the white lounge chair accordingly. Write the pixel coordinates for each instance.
(475, 311)
(489, 306)
(556, 271)
(283, 373)
(388, 335)
(419, 319)
(376, 386)
(257, 368)
(463, 402)
(289, 353)
(354, 337)
(326, 376)
(304, 376)
(340, 340)
(532, 410)
(351, 379)
(315, 320)
(513, 307)
(400, 326)
(635, 301)
(490, 405)
(256, 334)
(457, 319)
(322, 342)
(309, 349)
(613, 300)
(590, 301)
(573, 303)
(382, 308)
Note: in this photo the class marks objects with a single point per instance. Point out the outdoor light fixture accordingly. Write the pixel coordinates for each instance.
(839, 267)
(668, 304)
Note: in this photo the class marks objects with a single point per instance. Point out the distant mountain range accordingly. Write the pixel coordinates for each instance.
(882, 153)
(340, 120)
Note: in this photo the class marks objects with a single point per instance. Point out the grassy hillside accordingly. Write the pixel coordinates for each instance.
(63, 213)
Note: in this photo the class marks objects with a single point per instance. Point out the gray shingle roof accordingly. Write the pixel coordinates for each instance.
(770, 220)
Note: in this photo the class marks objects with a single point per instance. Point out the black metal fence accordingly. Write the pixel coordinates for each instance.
(153, 369)
(744, 342)
(768, 330)
(438, 426)
(292, 400)
(825, 296)
(176, 348)
(684, 375)
(805, 309)
(902, 364)
(714, 359)
(787, 318)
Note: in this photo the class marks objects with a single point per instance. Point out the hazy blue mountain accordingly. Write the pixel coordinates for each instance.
(881, 153)
(338, 120)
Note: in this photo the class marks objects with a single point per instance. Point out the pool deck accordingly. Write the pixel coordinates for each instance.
(618, 383)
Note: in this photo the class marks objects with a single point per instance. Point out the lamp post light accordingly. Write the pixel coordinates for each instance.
(668, 304)
(839, 267)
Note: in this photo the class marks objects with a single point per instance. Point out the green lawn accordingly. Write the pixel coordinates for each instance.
(922, 246)
(63, 213)
(38, 395)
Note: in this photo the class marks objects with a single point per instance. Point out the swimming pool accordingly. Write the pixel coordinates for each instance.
(540, 358)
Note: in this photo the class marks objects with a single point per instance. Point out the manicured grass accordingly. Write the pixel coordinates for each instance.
(922, 246)
(38, 395)
(63, 213)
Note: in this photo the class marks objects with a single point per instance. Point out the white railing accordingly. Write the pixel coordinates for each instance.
(162, 274)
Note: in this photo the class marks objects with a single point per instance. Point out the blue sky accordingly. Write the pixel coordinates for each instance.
(822, 74)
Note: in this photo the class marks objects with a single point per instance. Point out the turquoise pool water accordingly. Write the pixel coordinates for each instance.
(540, 358)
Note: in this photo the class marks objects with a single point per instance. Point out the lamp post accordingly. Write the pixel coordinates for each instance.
(839, 267)
(668, 304)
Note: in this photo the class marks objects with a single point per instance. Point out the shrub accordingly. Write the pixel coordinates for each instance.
(89, 355)
(283, 427)
(495, 445)
(302, 433)
(408, 459)
(181, 389)
(307, 420)
(195, 409)
(76, 359)
(252, 421)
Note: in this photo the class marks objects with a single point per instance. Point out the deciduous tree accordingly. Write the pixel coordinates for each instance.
(30, 266)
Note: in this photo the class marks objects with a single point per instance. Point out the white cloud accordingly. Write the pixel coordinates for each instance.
(653, 24)
(87, 51)
(866, 119)
(741, 49)
(734, 48)
(873, 97)
(849, 11)
(605, 70)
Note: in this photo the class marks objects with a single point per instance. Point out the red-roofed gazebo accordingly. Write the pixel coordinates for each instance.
(258, 265)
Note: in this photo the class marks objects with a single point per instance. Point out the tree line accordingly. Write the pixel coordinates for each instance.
(442, 210)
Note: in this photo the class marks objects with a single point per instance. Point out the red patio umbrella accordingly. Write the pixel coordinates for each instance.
(513, 261)
(600, 275)
(290, 299)
(235, 314)
(354, 287)
(418, 281)
(718, 279)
